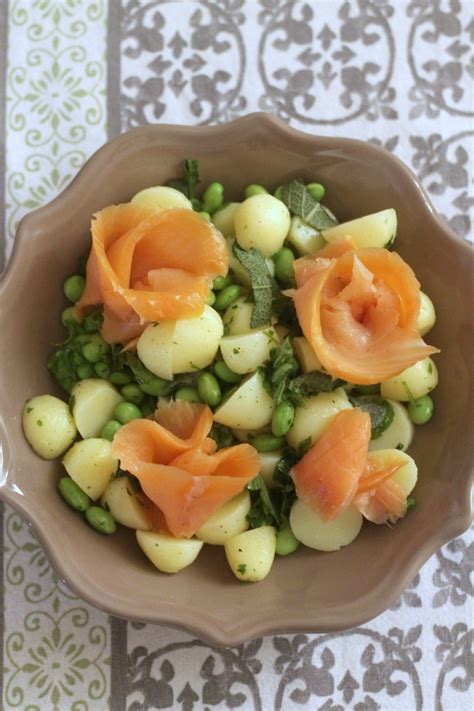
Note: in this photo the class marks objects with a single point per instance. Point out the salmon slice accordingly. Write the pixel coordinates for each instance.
(385, 503)
(177, 465)
(308, 266)
(327, 477)
(147, 265)
(359, 312)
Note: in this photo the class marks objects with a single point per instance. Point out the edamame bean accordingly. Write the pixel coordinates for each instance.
(282, 419)
(211, 299)
(254, 189)
(102, 370)
(209, 389)
(420, 411)
(221, 282)
(92, 322)
(283, 261)
(109, 429)
(101, 520)
(316, 190)
(277, 192)
(155, 387)
(67, 317)
(286, 542)
(73, 287)
(132, 393)
(73, 494)
(204, 215)
(267, 442)
(126, 412)
(227, 296)
(225, 374)
(188, 394)
(119, 378)
(213, 197)
(84, 372)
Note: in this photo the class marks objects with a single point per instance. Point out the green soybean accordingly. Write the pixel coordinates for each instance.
(109, 429)
(119, 378)
(67, 317)
(73, 287)
(316, 190)
(420, 411)
(277, 192)
(209, 389)
(227, 296)
(102, 370)
(221, 282)
(73, 494)
(188, 394)
(267, 442)
(286, 542)
(254, 189)
(101, 520)
(225, 374)
(155, 387)
(213, 197)
(92, 322)
(283, 261)
(132, 393)
(210, 299)
(282, 419)
(126, 412)
(84, 372)
(95, 349)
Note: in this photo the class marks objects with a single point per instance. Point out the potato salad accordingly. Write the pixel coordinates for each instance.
(246, 374)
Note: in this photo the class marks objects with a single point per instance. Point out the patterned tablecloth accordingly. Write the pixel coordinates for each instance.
(75, 72)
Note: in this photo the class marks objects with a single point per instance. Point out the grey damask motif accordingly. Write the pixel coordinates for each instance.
(456, 652)
(228, 676)
(443, 168)
(454, 575)
(314, 65)
(409, 598)
(386, 668)
(182, 53)
(441, 58)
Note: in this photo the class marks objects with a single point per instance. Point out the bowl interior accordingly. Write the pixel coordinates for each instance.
(332, 590)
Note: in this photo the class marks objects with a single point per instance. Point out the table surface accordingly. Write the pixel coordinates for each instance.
(72, 74)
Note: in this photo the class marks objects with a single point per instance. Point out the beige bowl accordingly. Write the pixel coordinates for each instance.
(308, 591)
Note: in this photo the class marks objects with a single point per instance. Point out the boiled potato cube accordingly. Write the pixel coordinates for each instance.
(126, 506)
(167, 553)
(48, 425)
(268, 462)
(427, 315)
(162, 197)
(93, 404)
(91, 465)
(307, 358)
(315, 532)
(250, 554)
(224, 219)
(417, 380)
(196, 341)
(228, 521)
(398, 434)
(304, 238)
(262, 222)
(249, 407)
(237, 317)
(247, 352)
(154, 348)
(376, 230)
(317, 413)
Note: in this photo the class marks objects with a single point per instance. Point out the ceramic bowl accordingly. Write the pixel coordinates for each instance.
(308, 591)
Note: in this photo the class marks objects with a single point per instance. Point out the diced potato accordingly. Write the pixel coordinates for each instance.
(247, 352)
(196, 341)
(48, 425)
(314, 532)
(167, 553)
(237, 317)
(427, 315)
(91, 465)
(262, 221)
(162, 198)
(154, 348)
(398, 434)
(312, 418)
(406, 476)
(250, 554)
(224, 220)
(126, 506)
(376, 230)
(240, 273)
(249, 407)
(228, 521)
(304, 238)
(418, 379)
(307, 358)
(93, 402)
(268, 462)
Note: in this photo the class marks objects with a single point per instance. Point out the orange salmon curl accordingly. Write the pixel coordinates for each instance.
(149, 265)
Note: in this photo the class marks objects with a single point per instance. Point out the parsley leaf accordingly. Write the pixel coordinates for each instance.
(300, 202)
(381, 412)
(253, 262)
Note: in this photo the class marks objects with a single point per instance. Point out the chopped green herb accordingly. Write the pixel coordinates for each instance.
(400, 446)
(430, 368)
(191, 176)
(304, 446)
(381, 412)
(411, 503)
(254, 263)
(311, 384)
(263, 511)
(300, 202)
(242, 568)
(29, 409)
(39, 423)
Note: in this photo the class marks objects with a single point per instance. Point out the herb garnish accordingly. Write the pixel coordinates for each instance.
(254, 263)
(300, 202)
(381, 412)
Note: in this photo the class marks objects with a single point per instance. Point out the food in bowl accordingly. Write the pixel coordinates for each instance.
(238, 375)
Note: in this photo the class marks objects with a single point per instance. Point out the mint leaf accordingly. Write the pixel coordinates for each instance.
(381, 412)
(253, 262)
(311, 384)
(263, 511)
(300, 202)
